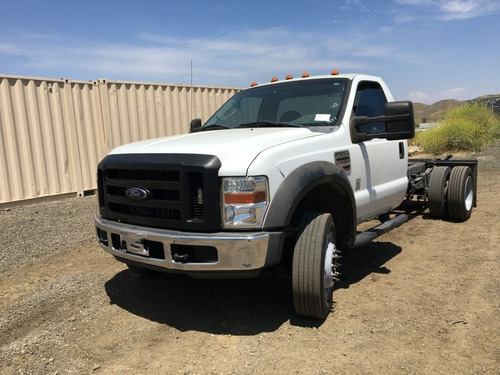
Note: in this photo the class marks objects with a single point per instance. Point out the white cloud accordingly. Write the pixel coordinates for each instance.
(419, 96)
(453, 9)
(458, 6)
(463, 9)
(458, 93)
(229, 57)
(10, 49)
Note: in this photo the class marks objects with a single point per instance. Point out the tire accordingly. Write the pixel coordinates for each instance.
(315, 265)
(460, 193)
(438, 185)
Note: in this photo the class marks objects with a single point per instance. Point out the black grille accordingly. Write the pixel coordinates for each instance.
(180, 191)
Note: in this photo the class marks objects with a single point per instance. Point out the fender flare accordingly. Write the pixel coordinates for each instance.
(299, 183)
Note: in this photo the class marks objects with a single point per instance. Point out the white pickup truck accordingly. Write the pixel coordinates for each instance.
(281, 174)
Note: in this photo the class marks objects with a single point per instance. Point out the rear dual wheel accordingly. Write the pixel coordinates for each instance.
(451, 192)
(315, 265)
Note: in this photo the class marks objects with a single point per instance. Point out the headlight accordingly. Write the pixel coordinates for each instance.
(245, 201)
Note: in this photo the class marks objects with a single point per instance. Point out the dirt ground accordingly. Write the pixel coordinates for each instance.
(422, 299)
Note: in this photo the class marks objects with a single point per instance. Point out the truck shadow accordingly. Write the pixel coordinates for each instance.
(360, 262)
(236, 307)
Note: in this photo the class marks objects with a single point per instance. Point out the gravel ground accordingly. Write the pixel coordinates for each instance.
(38, 230)
(68, 308)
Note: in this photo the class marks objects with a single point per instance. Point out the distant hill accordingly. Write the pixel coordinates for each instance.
(435, 112)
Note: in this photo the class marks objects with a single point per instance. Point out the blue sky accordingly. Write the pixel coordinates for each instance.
(426, 50)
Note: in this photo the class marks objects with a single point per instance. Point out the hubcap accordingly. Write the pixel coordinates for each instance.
(469, 196)
(331, 265)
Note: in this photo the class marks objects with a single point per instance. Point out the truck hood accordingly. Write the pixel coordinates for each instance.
(235, 148)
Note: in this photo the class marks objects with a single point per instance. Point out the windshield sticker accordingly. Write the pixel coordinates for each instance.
(322, 117)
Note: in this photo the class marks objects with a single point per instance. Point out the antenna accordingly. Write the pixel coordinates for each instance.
(192, 103)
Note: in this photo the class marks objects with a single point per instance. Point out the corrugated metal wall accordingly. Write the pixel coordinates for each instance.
(54, 132)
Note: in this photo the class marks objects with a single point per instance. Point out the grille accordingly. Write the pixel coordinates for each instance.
(178, 191)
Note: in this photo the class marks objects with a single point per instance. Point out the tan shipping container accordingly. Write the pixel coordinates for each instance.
(53, 133)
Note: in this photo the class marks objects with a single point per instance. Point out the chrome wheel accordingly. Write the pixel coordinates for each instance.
(332, 255)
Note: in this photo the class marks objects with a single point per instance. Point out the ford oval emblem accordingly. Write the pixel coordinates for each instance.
(137, 193)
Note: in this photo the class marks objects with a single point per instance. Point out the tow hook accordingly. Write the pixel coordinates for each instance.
(180, 257)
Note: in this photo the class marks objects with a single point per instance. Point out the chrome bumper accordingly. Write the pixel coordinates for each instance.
(238, 252)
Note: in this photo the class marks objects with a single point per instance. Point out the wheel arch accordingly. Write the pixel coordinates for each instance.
(316, 186)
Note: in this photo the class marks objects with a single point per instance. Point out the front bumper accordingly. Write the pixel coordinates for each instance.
(188, 252)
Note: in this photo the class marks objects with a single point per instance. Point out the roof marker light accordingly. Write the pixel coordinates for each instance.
(289, 76)
(253, 84)
(335, 72)
(274, 79)
(305, 75)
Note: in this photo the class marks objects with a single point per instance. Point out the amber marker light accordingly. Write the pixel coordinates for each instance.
(256, 197)
(253, 84)
(335, 72)
(305, 75)
(274, 79)
(289, 76)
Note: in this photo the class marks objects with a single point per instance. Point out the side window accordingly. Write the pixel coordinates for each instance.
(370, 101)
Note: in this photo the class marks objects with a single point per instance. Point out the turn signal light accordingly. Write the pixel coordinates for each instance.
(256, 197)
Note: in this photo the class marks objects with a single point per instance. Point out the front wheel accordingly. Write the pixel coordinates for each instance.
(315, 265)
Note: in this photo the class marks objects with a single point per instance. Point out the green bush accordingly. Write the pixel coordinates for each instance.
(466, 128)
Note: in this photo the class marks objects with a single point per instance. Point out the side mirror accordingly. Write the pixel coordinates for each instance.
(195, 125)
(397, 123)
(401, 124)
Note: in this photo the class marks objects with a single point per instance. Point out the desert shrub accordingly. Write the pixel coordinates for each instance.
(466, 128)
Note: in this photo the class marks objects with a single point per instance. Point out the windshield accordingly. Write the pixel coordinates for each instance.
(314, 103)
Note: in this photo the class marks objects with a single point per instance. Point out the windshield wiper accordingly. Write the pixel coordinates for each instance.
(270, 124)
(214, 127)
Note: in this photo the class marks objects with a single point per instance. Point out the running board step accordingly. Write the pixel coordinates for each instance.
(369, 235)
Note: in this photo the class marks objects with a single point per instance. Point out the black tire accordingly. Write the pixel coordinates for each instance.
(438, 185)
(312, 283)
(460, 193)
